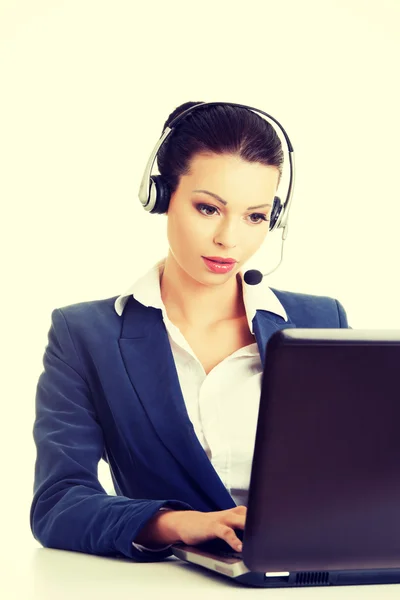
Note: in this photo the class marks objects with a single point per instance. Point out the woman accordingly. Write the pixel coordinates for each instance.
(163, 382)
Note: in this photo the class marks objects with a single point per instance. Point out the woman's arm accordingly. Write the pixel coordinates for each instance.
(70, 509)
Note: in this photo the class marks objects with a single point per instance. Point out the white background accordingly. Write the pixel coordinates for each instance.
(86, 86)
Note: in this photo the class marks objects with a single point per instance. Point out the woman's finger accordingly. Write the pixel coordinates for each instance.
(227, 534)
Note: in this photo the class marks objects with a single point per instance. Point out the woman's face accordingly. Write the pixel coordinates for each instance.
(200, 225)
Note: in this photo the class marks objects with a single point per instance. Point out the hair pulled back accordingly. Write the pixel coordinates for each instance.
(218, 129)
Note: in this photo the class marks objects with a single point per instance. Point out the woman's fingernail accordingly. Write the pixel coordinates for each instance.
(240, 547)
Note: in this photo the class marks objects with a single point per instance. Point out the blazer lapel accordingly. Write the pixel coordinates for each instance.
(265, 324)
(149, 361)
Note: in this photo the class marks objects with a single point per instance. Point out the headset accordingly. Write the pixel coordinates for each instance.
(154, 193)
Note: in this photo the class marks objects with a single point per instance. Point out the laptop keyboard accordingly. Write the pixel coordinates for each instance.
(219, 547)
(228, 554)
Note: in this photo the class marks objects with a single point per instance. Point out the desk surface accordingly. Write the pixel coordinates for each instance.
(37, 573)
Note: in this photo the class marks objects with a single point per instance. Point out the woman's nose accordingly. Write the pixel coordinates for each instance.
(227, 235)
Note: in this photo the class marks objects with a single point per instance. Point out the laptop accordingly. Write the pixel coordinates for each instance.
(324, 497)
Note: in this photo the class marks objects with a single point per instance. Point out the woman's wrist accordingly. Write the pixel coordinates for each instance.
(160, 530)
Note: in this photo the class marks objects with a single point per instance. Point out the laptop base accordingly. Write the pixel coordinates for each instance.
(235, 569)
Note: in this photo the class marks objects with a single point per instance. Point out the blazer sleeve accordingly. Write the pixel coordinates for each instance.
(70, 509)
(342, 316)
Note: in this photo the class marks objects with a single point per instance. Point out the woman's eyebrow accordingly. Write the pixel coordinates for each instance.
(224, 201)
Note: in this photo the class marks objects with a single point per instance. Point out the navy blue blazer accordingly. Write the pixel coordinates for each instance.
(110, 390)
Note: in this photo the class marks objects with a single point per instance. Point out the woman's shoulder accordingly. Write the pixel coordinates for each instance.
(88, 308)
(291, 296)
(101, 316)
(300, 305)
(89, 315)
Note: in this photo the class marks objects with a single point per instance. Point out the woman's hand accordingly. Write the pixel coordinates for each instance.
(193, 527)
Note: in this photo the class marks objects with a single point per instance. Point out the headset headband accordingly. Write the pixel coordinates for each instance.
(145, 186)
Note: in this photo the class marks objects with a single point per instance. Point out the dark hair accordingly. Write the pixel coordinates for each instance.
(217, 129)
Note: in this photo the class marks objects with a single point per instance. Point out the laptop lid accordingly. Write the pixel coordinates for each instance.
(325, 481)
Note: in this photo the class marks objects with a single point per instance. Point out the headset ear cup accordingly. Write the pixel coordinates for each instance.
(275, 212)
(162, 195)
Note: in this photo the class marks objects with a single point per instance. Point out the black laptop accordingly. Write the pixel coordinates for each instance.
(324, 497)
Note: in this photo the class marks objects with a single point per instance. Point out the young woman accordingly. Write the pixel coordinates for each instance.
(163, 382)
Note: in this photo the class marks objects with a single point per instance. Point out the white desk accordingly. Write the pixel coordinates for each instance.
(37, 573)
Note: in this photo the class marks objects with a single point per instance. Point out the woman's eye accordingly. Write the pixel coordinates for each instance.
(260, 217)
(206, 206)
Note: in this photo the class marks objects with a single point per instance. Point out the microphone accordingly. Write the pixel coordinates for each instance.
(253, 276)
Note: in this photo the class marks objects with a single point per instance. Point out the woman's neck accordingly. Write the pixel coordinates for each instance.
(197, 305)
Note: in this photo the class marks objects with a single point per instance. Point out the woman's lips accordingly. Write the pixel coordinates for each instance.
(219, 259)
(217, 267)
